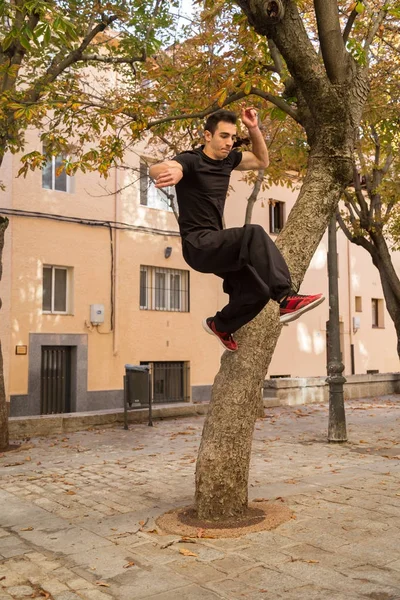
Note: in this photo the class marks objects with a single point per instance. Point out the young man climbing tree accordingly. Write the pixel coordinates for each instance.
(251, 266)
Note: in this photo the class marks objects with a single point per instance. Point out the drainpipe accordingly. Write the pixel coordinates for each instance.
(116, 259)
(350, 298)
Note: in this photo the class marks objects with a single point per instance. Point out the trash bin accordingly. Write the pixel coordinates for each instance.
(137, 389)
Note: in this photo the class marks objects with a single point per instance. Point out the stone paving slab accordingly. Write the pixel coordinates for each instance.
(78, 511)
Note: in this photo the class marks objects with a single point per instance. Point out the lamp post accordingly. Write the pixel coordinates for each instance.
(337, 417)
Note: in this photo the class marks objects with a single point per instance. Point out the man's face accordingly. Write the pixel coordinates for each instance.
(219, 144)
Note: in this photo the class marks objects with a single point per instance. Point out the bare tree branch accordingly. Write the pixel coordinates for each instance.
(351, 206)
(355, 239)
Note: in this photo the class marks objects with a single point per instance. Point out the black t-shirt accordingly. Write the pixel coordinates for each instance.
(201, 192)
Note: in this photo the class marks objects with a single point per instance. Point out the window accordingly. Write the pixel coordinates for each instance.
(377, 312)
(54, 176)
(170, 381)
(358, 304)
(276, 215)
(164, 289)
(56, 285)
(151, 196)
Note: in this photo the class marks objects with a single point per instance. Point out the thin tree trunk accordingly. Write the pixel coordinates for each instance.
(377, 248)
(4, 437)
(252, 199)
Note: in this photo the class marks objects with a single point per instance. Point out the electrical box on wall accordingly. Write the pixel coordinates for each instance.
(356, 323)
(97, 314)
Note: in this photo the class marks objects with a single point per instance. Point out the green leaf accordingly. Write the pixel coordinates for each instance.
(247, 87)
(47, 36)
(360, 8)
(25, 43)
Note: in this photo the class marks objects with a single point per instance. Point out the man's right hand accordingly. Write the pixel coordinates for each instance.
(170, 176)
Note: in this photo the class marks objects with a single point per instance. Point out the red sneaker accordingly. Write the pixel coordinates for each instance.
(294, 305)
(225, 339)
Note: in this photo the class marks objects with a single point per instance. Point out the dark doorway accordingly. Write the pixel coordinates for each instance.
(55, 380)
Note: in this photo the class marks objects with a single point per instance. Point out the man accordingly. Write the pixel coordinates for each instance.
(251, 266)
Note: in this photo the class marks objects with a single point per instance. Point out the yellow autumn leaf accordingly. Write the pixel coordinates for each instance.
(186, 552)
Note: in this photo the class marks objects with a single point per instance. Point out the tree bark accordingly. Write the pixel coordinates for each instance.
(4, 436)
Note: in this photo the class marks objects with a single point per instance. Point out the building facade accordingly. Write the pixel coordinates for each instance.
(94, 279)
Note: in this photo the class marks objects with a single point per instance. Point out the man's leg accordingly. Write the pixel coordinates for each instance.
(248, 295)
(232, 249)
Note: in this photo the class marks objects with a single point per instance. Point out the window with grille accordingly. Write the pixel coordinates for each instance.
(170, 381)
(164, 289)
(276, 215)
(150, 196)
(56, 289)
(54, 176)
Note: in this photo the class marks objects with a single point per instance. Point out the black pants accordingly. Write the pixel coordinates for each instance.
(253, 270)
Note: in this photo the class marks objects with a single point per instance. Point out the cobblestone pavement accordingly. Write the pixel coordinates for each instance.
(77, 513)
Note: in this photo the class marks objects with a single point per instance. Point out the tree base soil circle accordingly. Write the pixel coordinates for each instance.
(260, 516)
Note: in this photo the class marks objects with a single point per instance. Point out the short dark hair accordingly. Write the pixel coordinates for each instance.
(221, 115)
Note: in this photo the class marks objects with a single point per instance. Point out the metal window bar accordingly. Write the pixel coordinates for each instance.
(170, 381)
(164, 289)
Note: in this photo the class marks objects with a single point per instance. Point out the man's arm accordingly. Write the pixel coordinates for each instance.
(258, 158)
(167, 173)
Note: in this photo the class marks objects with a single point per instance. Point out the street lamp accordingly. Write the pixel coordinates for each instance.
(337, 417)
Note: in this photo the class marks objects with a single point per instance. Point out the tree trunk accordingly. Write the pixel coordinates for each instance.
(252, 199)
(377, 248)
(224, 457)
(389, 280)
(4, 438)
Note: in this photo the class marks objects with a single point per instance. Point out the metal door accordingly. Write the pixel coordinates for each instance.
(55, 384)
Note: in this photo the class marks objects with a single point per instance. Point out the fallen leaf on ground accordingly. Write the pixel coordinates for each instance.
(27, 529)
(70, 493)
(3, 577)
(186, 552)
(149, 530)
(129, 564)
(14, 464)
(102, 584)
(44, 594)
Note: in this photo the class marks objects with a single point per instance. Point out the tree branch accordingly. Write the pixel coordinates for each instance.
(279, 102)
(351, 206)
(112, 59)
(331, 40)
(374, 28)
(276, 56)
(349, 25)
(56, 68)
(253, 196)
